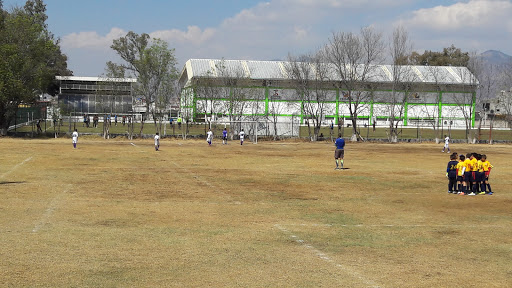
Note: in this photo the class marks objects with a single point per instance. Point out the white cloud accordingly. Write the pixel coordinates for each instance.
(91, 40)
(344, 3)
(268, 30)
(271, 30)
(473, 14)
(194, 35)
(472, 25)
(300, 33)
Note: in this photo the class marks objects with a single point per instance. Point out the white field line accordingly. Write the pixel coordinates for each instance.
(140, 150)
(201, 180)
(16, 167)
(395, 225)
(328, 259)
(45, 219)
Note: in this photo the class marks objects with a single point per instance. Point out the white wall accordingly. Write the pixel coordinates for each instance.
(422, 111)
(455, 111)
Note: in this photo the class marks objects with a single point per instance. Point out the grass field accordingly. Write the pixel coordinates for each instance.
(115, 213)
(200, 129)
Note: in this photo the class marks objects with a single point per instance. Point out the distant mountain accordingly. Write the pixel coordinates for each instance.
(496, 57)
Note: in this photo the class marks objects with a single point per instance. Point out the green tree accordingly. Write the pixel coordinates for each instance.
(30, 59)
(450, 56)
(154, 66)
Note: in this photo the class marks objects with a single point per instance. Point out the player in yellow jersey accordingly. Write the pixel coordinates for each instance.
(467, 173)
(479, 175)
(486, 167)
(461, 168)
(474, 169)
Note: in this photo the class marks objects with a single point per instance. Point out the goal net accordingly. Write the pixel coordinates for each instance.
(250, 129)
(257, 128)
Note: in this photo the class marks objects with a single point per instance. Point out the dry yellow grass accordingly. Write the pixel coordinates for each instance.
(115, 213)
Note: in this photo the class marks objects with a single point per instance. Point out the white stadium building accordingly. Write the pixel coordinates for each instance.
(263, 88)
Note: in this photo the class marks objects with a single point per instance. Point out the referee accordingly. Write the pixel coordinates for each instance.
(340, 152)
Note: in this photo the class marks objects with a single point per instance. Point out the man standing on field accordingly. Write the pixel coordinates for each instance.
(157, 141)
(242, 135)
(446, 144)
(339, 153)
(75, 138)
(225, 136)
(209, 137)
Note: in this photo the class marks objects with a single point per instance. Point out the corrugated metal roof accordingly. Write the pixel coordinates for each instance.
(274, 70)
(95, 79)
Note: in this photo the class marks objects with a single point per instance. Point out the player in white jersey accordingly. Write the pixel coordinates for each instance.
(242, 135)
(446, 144)
(157, 141)
(209, 137)
(75, 138)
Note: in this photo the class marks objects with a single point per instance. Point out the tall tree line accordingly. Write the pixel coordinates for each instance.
(30, 59)
(153, 63)
(354, 59)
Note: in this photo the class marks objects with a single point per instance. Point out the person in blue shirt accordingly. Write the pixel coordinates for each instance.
(339, 153)
(225, 136)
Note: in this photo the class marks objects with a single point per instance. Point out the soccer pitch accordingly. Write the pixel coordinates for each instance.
(117, 213)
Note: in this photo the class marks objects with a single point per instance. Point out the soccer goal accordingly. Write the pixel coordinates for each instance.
(234, 127)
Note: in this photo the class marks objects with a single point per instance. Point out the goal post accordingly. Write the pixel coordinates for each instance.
(258, 128)
(234, 127)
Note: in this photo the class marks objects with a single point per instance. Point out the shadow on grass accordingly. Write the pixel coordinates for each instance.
(11, 182)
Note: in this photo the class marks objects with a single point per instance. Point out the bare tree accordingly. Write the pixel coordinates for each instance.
(505, 97)
(110, 91)
(277, 107)
(211, 95)
(161, 107)
(489, 82)
(466, 98)
(403, 80)
(354, 57)
(309, 74)
(505, 103)
(206, 94)
(477, 67)
(463, 101)
(431, 104)
(490, 79)
(255, 107)
(105, 102)
(187, 110)
(232, 78)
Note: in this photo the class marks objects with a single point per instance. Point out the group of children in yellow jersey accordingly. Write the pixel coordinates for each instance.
(469, 175)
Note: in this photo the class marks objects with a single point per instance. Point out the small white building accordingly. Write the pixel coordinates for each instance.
(97, 95)
(498, 109)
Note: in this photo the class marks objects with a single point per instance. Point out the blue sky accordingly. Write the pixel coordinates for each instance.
(268, 30)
